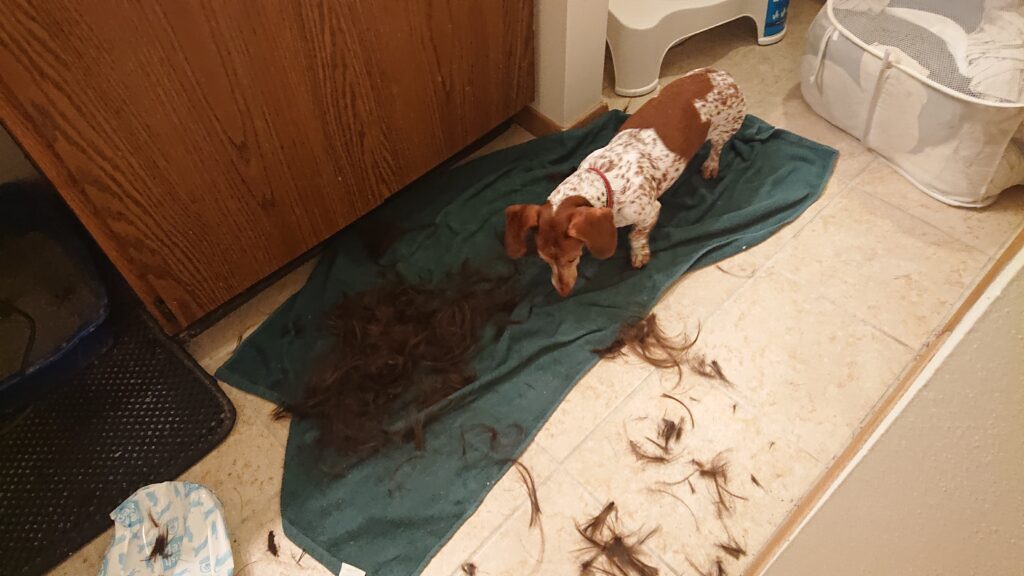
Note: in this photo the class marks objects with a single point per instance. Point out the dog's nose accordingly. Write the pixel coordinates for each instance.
(563, 291)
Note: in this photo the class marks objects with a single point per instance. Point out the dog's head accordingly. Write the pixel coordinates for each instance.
(561, 235)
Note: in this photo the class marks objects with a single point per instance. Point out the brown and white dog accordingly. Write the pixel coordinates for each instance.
(620, 184)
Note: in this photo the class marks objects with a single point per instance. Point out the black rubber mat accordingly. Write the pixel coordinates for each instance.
(142, 413)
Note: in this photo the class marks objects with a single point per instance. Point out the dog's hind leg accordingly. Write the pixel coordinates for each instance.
(710, 167)
(722, 128)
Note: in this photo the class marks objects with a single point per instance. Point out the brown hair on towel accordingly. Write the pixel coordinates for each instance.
(610, 550)
(646, 339)
(399, 348)
(499, 444)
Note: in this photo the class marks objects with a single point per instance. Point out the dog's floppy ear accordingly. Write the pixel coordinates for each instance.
(595, 227)
(519, 220)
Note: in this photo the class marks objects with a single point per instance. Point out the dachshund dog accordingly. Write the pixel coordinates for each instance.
(620, 184)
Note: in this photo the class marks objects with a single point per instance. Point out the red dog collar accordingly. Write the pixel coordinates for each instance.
(607, 186)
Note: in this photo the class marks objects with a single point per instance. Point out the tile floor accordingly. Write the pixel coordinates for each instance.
(812, 327)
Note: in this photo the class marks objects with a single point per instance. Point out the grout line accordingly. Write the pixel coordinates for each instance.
(946, 233)
(827, 298)
(620, 403)
(874, 157)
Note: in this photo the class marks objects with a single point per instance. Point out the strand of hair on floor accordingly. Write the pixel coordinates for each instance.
(643, 456)
(715, 473)
(670, 494)
(669, 433)
(693, 421)
(712, 370)
(272, 544)
(531, 490)
(611, 552)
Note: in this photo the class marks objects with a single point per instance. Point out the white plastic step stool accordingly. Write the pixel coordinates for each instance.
(640, 32)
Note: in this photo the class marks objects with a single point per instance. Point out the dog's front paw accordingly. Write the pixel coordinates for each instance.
(640, 258)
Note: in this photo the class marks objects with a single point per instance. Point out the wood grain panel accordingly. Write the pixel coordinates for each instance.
(205, 143)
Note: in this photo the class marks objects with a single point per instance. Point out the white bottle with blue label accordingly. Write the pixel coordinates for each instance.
(774, 22)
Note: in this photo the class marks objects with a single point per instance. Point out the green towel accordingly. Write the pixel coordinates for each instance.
(390, 514)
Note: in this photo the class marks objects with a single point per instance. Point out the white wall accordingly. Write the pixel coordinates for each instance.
(940, 491)
(13, 164)
(570, 39)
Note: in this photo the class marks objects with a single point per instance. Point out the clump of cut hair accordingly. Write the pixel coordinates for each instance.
(399, 349)
(645, 339)
(610, 551)
(716, 474)
(159, 549)
(708, 369)
(272, 544)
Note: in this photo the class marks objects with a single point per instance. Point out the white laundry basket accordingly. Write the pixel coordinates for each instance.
(936, 87)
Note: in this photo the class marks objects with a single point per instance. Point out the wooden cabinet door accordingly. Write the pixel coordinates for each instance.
(205, 143)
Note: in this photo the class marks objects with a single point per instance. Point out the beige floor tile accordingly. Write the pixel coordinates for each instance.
(507, 496)
(252, 556)
(882, 264)
(987, 229)
(617, 102)
(278, 428)
(812, 369)
(592, 398)
(214, 346)
(244, 472)
(691, 301)
(253, 410)
(614, 101)
(688, 520)
(513, 136)
(519, 550)
(87, 559)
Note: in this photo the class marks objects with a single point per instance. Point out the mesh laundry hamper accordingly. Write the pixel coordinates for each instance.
(936, 87)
